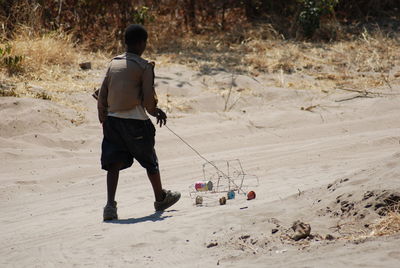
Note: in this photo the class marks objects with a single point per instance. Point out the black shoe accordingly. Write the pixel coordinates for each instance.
(110, 212)
(170, 199)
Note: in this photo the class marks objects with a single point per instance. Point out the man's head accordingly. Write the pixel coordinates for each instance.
(136, 38)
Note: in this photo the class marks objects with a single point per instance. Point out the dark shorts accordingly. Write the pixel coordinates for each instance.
(128, 139)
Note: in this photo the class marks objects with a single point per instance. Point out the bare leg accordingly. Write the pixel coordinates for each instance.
(112, 182)
(157, 187)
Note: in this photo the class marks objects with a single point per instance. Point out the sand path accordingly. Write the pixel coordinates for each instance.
(52, 189)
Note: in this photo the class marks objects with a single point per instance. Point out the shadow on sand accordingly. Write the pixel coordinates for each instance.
(157, 216)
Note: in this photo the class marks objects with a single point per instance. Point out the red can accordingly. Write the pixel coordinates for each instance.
(251, 195)
(203, 186)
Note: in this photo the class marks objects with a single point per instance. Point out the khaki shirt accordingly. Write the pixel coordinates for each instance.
(129, 82)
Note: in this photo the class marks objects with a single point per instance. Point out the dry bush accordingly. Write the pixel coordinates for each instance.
(100, 24)
(389, 224)
(42, 52)
(51, 69)
(365, 62)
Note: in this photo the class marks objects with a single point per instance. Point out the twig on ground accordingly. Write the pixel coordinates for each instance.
(255, 250)
(234, 103)
(229, 95)
(354, 97)
(365, 92)
(309, 108)
(168, 101)
(300, 192)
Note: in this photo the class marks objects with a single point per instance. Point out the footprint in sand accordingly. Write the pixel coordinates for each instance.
(394, 255)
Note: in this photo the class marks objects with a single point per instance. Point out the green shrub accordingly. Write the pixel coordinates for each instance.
(311, 12)
(141, 15)
(12, 63)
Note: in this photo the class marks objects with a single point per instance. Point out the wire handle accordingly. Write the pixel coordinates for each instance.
(205, 159)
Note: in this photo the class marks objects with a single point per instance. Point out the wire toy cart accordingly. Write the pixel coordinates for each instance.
(226, 176)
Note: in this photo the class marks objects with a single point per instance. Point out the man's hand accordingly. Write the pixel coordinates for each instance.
(161, 117)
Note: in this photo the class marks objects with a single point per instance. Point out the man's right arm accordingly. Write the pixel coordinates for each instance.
(102, 104)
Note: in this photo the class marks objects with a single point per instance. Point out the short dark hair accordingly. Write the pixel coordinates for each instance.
(134, 34)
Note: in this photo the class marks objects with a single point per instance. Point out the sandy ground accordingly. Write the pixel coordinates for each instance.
(333, 164)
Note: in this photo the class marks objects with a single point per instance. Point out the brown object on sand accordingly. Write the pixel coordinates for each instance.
(85, 65)
(212, 244)
(329, 237)
(199, 200)
(301, 230)
(222, 200)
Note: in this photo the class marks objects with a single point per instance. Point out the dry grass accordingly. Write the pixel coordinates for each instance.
(50, 67)
(388, 225)
(50, 70)
(368, 61)
(44, 52)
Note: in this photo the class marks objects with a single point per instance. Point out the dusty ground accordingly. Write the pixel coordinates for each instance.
(327, 158)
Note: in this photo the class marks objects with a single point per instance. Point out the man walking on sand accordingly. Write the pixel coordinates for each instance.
(126, 93)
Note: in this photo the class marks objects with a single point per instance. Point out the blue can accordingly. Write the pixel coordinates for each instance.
(231, 195)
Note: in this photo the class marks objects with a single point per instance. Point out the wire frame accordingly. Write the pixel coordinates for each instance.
(226, 176)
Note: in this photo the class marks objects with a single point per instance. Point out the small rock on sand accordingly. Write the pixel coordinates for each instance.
(301, 230)
(85, 65)
(212, 244)
(329, 237)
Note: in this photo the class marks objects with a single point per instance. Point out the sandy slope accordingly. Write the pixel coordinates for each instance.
(52, 189)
